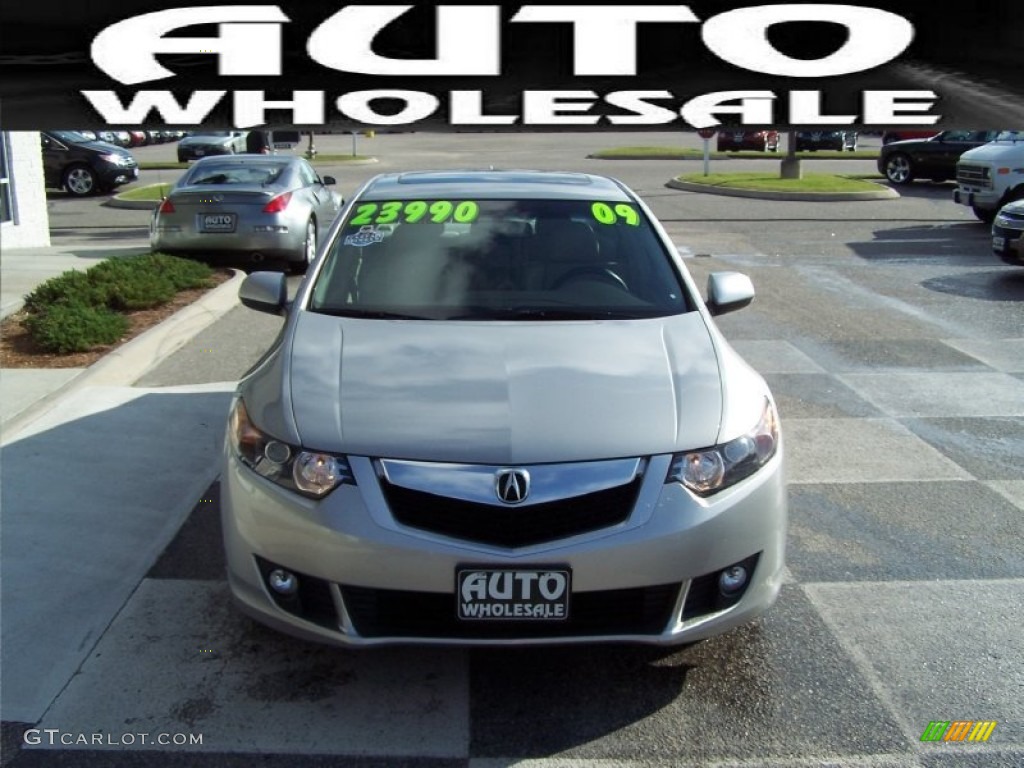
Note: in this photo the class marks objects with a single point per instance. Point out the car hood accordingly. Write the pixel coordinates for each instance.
(103, 147)
(995, 151)
(504, 392)
(1016, 207)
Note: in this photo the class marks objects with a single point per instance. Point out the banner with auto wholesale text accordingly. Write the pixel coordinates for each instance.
(539, 66)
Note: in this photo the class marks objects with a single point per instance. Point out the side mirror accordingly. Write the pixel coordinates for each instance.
(328, 181)
(728, 291)
(265, 292)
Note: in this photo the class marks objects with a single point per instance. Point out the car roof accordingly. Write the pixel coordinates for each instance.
(495, 185)
(247, 159)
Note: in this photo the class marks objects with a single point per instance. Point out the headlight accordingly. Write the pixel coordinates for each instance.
(708, 471)
(116, 159)
(310, 473)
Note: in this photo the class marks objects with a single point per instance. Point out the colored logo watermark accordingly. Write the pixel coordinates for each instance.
(958, 730)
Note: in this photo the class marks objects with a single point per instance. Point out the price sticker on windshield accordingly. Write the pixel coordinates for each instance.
(413, 211)
(605, 213)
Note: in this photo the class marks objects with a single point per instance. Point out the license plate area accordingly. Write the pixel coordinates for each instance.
(217, 222)
(513, 594)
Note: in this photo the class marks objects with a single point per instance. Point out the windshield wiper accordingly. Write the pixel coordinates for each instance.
(549, 313)
(373, 314)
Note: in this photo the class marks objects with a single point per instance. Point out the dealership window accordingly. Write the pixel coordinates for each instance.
(6, 198)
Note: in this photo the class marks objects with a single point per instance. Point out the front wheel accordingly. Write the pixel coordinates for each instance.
(898, 169)
(80, 180)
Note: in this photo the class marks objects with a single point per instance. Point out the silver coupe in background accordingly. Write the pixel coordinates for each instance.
(253, 206)
(500, 412)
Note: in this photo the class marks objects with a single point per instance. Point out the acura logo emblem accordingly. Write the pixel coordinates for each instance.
(512, 485)
(218, 198)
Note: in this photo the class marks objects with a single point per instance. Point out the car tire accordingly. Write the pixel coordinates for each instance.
(898, 169)
(986, 215)
(308, 250)
(80, 180)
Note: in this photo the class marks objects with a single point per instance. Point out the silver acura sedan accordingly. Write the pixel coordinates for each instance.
(500, 412)
(252, 205)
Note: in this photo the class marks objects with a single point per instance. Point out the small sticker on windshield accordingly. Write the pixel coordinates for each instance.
(367, 235)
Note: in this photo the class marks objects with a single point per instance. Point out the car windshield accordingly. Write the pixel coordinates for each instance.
(1010, 136)
(234, 173)
(72, 137)
(498, 260)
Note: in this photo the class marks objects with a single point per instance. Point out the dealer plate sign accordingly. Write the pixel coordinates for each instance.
(217, 222)
(513, 594)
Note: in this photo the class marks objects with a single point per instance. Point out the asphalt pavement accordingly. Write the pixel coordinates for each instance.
(893, 341)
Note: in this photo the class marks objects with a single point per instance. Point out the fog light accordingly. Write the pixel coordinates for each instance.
(732, 579)
(283, 582)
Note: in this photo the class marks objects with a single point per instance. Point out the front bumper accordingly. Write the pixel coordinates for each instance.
(986, 199)
(114, 175)
(1008, 243)
(366, 570)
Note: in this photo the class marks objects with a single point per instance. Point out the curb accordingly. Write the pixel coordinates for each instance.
(883, 193)
(128, 363)
(135, 205)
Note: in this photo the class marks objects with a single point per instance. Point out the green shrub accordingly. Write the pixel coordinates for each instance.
(128, 285)
(64, 328)
(68, 288)
(73, 311)
(139, 282)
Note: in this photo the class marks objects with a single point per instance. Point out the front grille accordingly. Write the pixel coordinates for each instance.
(392, 613)
(511, 526)
(973, 175)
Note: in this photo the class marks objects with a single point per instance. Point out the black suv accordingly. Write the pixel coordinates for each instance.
(82, 167)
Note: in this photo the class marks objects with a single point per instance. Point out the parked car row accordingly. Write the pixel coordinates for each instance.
(133, 138)
(838, 141)
(761, 141)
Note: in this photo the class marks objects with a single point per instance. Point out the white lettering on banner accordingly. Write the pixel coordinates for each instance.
(874, 37)
(469, 39)
(540, 108)
(604, 36)
(248, 41)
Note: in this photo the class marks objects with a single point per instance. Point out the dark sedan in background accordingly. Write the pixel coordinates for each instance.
(257, 206)
(839, 141)
(761, 141)
(73, 162)
(211, 143)
(903, 161)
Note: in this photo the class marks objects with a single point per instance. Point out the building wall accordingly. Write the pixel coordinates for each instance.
(30, 227)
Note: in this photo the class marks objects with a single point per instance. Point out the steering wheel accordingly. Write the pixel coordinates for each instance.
(603, 274)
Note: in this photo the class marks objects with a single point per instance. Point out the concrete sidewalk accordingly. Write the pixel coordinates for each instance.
(84, 513)
(27, 393)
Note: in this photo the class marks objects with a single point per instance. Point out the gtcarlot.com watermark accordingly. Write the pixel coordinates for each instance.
(55, 737)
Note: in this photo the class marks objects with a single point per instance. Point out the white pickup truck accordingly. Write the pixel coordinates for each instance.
(990, 176)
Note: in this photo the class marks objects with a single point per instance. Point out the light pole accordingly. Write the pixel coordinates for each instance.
(311, 151)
